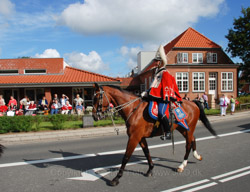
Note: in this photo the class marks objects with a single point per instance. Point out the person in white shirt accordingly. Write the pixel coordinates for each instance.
(224, 101)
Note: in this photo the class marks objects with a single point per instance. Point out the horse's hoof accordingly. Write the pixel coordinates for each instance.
(113, 183)
(200, 158)
(149, 174)
(180, 170)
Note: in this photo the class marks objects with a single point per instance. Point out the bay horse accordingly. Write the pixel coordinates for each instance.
(141, 126)
(1, 149)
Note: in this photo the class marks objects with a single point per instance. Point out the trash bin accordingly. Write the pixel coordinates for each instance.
(87, 121)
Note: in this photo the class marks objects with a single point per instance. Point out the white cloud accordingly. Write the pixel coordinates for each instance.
(48, 53)
(7, 8)
(91, 62)
(141, 20)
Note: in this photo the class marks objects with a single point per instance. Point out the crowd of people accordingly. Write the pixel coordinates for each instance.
(224, 102)
(28, 107)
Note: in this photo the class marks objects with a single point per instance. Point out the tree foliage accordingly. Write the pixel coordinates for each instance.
(239, 41)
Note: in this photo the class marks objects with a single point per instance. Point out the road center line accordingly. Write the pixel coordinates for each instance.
(111, 152)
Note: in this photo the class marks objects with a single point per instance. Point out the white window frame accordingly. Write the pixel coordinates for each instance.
(35, 73)
(211, 57)
(182, 81)
(181, 56)
(197, 55)
(227, 80)
(199, 80)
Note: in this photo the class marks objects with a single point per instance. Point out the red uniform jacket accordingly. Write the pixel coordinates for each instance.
(164, 87)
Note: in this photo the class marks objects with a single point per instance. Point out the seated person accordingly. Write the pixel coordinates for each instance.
(12, 101)
(66, 108)
(43, 104)
(78, 102)
(31, 109)
(24, 103)
(55, 107)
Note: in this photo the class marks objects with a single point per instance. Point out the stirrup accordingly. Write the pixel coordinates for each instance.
(166, 136)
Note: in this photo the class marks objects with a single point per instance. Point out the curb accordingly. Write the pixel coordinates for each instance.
(87, 132)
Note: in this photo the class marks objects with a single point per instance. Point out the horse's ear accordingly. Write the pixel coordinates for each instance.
(96, 86)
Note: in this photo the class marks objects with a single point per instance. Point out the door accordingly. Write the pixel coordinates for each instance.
(213, 84)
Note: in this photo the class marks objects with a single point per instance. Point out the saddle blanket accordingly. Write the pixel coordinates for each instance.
(179, 113)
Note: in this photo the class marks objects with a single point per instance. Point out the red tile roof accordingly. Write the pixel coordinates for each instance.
(190, 39)
(69, 76)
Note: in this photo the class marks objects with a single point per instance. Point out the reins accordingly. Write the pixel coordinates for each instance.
(113, 110)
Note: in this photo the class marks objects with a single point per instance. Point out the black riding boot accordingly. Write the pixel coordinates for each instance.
(167, 134)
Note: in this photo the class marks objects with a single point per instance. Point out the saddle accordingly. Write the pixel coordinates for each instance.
(179, 113)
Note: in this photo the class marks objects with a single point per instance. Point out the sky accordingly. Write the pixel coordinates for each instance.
(105, 36)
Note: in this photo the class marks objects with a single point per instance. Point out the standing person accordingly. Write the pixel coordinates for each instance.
(64, 99)
(3, 107)
(186, 97)
(12, 101)
(55, 98)
(223, 105)
(204, 96)
(24, 103)
(199, 98)
(78, 102)
(232, 103)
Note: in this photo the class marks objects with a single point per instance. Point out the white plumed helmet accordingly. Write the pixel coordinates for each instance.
(160, 55)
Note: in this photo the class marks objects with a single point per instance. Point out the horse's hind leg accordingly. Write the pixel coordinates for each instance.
(132, 143)
(144, 145)
(186, 134)
(195, 154)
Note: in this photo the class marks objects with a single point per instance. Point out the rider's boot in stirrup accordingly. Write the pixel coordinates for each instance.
(167, 134)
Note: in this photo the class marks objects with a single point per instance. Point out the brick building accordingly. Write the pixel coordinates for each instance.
(36, 77)
(198, 64)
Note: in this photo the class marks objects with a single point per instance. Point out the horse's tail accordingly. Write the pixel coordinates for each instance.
(204, 118)
(1, 149)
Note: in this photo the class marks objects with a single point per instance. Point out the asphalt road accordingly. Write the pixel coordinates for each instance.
(79, 165)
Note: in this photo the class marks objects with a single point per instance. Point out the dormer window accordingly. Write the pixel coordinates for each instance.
(211, 57)
(182, 58)
(197, 58)
(8, 71)
(35, 71)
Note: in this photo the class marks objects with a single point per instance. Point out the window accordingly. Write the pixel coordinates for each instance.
(197, 57)
(211, 57)
(182, 81)
(198, 81)
(227, 81)
(35, 71)
(182, 58)
(8, 72)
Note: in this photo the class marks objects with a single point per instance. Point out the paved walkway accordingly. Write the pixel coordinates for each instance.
(12, 138)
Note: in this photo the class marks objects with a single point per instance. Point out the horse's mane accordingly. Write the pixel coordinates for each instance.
(122, 90)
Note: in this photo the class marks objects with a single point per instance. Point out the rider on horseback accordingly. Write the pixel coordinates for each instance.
(163, 90)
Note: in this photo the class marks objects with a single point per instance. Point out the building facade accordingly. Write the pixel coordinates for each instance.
(36, 77)
(199, 66)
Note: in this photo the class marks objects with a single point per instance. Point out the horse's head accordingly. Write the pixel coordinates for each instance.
(101, 103)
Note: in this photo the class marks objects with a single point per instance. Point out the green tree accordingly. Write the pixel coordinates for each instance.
(239, 41)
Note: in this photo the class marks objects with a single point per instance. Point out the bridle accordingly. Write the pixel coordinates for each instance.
(111, 111)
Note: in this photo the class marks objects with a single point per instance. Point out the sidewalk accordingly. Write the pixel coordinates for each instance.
(12, 138)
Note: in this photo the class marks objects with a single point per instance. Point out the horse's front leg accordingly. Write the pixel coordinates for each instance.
(132, 143)
(144, 145)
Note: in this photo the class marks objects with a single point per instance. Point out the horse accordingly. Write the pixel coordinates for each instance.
(134, 110)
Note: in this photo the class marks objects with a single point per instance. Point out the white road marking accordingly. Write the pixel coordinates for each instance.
(212, 183)
(111, 152)
(235, 176)
(201, 187)
(187, 186)
(231, 173)
(93, 175)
